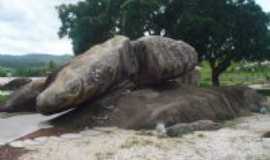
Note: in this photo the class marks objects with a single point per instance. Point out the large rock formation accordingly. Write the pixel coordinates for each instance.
(88, 76)
(191, 78)
(133, 85)
(163, 58)
(150, 60)
(170, 104)
(24, 99)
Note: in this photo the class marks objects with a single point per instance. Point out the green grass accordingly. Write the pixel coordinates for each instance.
(3, 99)
(237, 74)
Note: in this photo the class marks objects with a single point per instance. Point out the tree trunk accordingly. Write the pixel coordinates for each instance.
(215, 78)
(218, 69)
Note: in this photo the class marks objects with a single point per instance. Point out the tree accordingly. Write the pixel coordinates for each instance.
(137, 17)
(51, 66)
(93, 21)
(222, 31)
(89, 22)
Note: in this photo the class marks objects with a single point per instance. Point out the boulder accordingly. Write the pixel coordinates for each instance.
(149, 60)
(244, 97)
(191, 78)
(169, 105)
(146, 108)
(161, 59)
(89, 75)
(15, 84)
(24, 99)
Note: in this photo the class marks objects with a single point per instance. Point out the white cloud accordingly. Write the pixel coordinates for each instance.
(31, 26)
(265, 4)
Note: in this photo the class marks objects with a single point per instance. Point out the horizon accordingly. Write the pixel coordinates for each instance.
(21, 25)
(37, 53)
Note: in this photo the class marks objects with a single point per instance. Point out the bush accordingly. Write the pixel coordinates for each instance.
(4, 72)
(3, 98)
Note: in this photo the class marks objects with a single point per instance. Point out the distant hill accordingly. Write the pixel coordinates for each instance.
(31, 60)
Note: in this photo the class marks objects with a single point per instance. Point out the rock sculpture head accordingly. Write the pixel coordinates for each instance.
(149, 60)
(60, 92)
(88, 76)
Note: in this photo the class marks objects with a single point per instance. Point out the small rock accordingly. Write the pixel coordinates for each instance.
(161, 130)
(17, 144)
(24, 99)
(16, 84)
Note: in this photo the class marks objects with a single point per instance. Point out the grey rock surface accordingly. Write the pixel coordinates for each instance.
(147, 61)
(89, 76)
(170, 105)
(15, 84)
(24, 99)
(161, 59)
(191, 78)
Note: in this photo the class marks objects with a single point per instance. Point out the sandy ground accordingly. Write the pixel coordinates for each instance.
(240, 140)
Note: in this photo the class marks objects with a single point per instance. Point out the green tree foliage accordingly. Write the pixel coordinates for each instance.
(93, 21)
(51, 66)
(4, 71)
(89, 22)
(222, 31)
(137, 17)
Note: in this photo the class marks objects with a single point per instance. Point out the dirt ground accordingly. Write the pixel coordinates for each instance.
(9, 153)
(240, 139)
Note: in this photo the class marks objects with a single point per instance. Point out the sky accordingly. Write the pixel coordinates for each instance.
(31, 26)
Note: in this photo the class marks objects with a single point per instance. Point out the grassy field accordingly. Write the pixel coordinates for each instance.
(239, 74)
(3, 98)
